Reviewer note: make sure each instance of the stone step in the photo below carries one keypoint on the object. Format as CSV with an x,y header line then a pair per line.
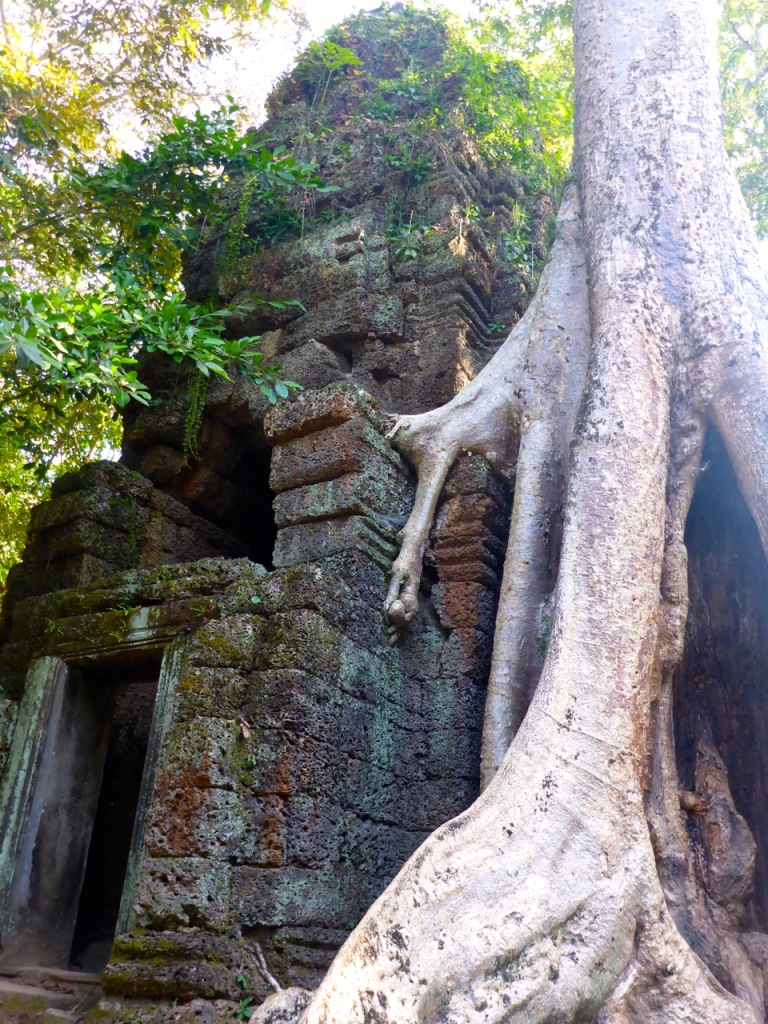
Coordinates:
x,y
41,996
53,1016
45,976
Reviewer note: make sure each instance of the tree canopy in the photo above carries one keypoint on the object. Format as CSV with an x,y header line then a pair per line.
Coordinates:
x,y
90,236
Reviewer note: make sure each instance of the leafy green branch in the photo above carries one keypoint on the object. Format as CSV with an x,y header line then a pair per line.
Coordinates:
x,y
90,341
265,212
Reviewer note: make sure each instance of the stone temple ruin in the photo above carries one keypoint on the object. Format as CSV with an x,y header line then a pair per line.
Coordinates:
x,y
208,742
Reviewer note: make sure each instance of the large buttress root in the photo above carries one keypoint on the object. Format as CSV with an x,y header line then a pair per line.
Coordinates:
x,y
542,901
519,413
554,374
524,615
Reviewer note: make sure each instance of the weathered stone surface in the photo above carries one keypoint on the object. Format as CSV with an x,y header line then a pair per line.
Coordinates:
x,y
334,452
356,583
8,711
177,964
115,1010
310,541
230,643
122,614
207,692
356,494
314,364
162,463
283,1007
299,750
273,896
229,579
467,516
312,412
178,892
159,424
103,519
362,297
471,474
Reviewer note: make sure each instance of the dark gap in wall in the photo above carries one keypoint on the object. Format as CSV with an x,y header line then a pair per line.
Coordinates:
x,y
257,523
239,500
131,711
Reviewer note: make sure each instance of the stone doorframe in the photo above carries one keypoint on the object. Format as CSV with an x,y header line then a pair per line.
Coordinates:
x,y
43,748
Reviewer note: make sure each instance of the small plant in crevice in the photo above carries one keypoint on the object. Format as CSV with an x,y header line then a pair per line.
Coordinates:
x,y
127,509
407,228
380,108
133,532
244,1008
414,163
269,203
514,250
407,240
234,356
236,228
516,239
323,60
517,247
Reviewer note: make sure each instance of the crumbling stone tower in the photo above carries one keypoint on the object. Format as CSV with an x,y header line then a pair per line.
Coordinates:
x,y
208,741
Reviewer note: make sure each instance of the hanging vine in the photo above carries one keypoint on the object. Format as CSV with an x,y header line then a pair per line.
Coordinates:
x,y
197,391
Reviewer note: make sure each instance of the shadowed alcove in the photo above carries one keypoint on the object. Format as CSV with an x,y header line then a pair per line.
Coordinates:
x,y
721,686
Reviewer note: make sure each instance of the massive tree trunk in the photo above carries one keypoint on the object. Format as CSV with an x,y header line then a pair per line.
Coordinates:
x,y
570,890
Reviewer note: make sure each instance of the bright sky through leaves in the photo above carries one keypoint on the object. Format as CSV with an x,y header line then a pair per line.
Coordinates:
x,y
324,13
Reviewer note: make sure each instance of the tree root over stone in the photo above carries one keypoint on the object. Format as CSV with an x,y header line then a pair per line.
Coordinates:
x,y
571,890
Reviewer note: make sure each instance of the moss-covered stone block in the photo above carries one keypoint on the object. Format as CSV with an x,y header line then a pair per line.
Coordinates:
x,y
327,454
211,693
8,711
311,541
275,897
307,705
172,965
263,841
314,411
355,494
195,822
230,643
197,753
300,640
183,892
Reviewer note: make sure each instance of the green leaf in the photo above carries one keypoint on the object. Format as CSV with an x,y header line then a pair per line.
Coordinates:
x,y
27,352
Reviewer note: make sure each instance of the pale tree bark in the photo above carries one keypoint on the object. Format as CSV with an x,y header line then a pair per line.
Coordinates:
x,y
569,891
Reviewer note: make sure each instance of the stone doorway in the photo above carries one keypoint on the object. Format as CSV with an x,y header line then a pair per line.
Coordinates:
x,y
72,824
127,723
